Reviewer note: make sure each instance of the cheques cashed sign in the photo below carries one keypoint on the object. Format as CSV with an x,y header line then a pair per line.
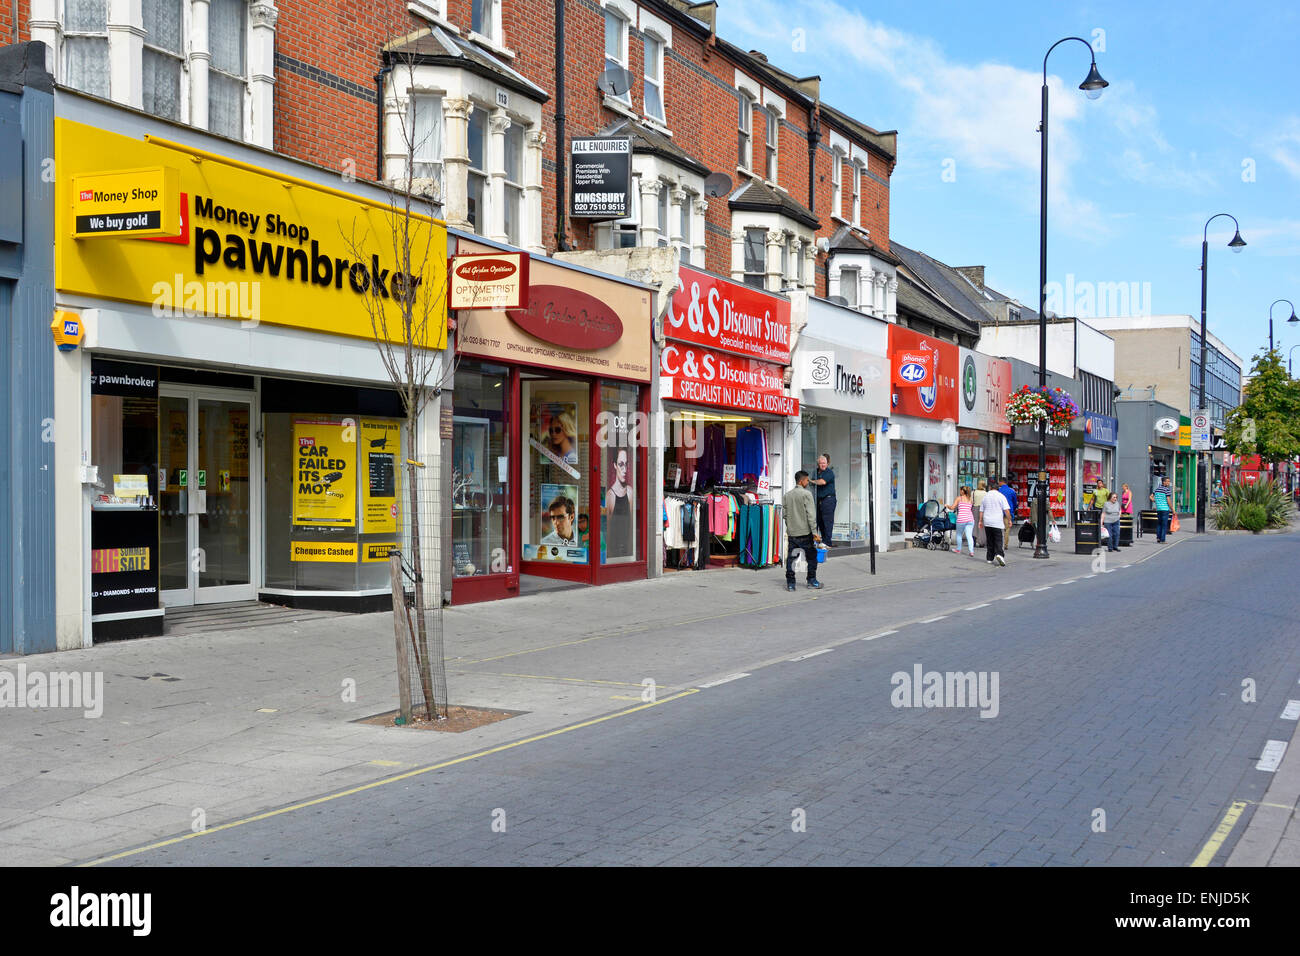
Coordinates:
x,y
724,315
938,400
706,377
985,385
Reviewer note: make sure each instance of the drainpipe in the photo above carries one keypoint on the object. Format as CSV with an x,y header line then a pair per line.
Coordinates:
x,y
814,137
561,171
379,122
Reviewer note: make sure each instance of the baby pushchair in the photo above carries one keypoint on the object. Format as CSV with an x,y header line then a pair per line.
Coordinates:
x,y
933,526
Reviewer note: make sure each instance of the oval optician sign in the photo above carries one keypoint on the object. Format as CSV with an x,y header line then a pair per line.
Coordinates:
x,y
569,318
486,270
1167,426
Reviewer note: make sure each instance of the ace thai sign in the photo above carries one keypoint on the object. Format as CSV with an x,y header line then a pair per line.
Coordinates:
x,y
706,377
985,386
940,399
726,316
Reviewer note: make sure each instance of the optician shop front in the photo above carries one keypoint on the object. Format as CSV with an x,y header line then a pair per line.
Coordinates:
x,y
226,430
549,432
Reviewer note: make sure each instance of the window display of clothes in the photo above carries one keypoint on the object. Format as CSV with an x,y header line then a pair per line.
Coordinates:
x,y
686,531
713,455
759,535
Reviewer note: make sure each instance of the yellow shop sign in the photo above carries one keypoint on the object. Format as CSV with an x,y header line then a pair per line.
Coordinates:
x,y
126,202
250,244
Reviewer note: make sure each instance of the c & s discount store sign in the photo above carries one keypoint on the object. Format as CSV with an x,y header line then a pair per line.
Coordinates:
x,y
242,227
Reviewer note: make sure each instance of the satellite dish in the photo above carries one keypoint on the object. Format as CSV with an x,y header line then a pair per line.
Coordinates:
x,y
717,184
838,300
615,81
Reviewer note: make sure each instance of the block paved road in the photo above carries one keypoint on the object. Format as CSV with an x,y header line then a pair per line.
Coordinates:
x,y
1119,692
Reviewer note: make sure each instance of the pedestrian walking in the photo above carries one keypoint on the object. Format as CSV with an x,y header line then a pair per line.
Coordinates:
x,y
1110,521
801,529
1008,491
965,519
995,518
1162,498
977,499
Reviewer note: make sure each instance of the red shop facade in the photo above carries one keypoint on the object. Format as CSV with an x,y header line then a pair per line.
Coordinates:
x,y
724,404
549,433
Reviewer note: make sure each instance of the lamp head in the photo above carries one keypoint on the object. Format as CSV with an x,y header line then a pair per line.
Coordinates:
x,y
1237,243
1293,317
1094,84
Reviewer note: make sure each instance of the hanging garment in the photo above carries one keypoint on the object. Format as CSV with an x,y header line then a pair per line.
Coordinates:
x,y
702,548
673,523
688,523
713,455
751,452
619,543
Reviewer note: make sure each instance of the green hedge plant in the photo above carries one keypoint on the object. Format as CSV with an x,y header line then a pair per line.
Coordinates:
x,y
1264,503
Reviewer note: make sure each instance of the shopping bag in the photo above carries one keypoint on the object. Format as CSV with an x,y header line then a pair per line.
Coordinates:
x,y
800,562
1054,534
1105,534
1173,524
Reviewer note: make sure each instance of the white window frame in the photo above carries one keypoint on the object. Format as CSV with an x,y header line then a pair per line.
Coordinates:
x,y
745,134
771,143
82,35
243,80
854,275
514,190
837,182
657,41
491,36
665,212
183,105
857,193
483,174
761,274
425,150
624,29
686,223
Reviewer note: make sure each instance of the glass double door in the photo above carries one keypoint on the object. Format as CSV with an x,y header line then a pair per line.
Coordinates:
x,y
207,496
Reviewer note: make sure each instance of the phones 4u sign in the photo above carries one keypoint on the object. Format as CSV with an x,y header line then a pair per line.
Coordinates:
x,y
600,178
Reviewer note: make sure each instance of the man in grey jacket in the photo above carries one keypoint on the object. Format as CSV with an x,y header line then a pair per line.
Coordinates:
x,y
801,529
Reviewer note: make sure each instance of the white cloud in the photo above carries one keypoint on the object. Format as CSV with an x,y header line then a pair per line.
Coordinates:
x,y
1284,146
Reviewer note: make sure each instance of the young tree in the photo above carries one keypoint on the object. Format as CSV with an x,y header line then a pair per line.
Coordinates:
x,y
1267,422
408,320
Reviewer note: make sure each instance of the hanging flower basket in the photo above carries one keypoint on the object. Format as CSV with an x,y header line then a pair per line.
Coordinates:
x,y
1029,406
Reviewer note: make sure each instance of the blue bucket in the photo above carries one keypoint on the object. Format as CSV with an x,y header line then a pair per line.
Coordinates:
x,y
821,554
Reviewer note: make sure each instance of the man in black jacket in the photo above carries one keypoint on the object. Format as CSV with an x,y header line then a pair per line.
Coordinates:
x,y
824,480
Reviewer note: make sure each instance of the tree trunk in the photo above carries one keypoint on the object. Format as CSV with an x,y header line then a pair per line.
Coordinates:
x,y
400,622
420,633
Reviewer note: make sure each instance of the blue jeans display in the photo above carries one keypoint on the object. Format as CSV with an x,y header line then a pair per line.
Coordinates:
x,y
1162,528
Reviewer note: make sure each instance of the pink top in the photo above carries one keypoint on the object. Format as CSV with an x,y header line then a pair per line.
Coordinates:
x,y
964,513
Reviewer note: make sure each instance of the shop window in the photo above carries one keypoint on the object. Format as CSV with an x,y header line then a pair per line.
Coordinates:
x,y
514,182
333,505
477,168
616,47
85,46
163,58
227,83
556,464
424,125
617,438
480,470
755,257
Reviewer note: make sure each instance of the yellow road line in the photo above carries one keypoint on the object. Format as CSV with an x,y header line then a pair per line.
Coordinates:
x,y
386,780
1225,827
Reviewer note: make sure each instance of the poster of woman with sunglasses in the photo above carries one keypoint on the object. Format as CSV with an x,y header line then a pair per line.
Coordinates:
x,y
556,427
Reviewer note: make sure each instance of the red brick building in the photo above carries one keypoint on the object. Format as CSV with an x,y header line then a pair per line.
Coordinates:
x,y
472,86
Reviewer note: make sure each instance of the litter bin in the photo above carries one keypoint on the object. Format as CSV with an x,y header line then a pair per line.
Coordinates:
x,y
1126,531
1150,522
1087,531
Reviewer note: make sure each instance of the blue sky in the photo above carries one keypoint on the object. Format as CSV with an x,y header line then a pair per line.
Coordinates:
x,y
1202,116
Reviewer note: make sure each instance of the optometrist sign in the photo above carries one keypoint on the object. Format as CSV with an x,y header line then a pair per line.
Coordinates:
x,y
126,202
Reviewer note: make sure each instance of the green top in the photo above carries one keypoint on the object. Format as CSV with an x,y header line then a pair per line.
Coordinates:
x,y
1100,496
800,512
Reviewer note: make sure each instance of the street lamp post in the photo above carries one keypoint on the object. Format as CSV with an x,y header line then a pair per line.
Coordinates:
x,y
1092,87
1288,358
1270,320
1236,245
